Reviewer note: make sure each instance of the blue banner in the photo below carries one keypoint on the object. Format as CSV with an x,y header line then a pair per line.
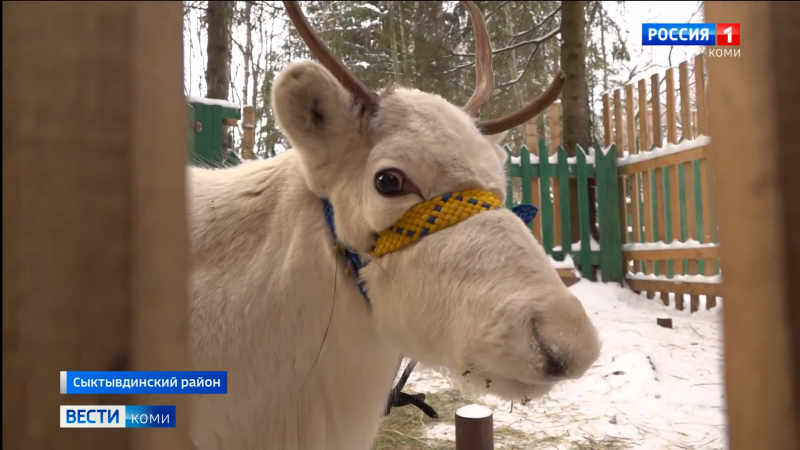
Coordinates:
x,y
679,34
124,416
162,382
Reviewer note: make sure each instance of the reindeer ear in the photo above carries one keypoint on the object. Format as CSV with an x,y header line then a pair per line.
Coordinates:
x,y
315,112
497,140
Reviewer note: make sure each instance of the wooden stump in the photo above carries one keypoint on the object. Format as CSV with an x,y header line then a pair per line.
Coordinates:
x,y
662,322
474,428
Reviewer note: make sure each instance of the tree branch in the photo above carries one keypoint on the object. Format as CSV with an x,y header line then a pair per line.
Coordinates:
x,y
523,72
536,41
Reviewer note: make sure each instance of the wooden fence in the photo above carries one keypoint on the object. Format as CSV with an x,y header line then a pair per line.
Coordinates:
x,y
654,195
549,188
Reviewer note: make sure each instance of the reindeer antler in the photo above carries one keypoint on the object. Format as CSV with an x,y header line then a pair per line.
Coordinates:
x,y
484,74
484,83
362,93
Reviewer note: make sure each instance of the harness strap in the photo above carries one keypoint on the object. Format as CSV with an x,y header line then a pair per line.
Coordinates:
x,y
397,398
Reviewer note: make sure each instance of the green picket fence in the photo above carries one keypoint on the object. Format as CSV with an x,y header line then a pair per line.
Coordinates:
x,y
535,171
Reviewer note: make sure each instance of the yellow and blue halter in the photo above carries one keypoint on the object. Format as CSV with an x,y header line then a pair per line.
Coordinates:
x,y
419,221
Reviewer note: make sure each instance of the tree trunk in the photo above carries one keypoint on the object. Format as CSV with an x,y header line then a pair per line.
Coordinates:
x,y
393,39
574,98
403,43
248,50
218,71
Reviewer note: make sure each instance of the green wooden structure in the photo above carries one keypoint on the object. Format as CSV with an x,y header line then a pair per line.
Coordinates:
x,y
609,258
206,133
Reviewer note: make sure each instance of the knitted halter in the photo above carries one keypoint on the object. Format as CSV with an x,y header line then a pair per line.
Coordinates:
x,y
419,221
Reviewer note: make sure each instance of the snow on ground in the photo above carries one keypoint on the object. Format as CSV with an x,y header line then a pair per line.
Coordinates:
x,y
651,388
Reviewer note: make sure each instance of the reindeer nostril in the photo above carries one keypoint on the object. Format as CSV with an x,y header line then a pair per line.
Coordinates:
x,y
555,365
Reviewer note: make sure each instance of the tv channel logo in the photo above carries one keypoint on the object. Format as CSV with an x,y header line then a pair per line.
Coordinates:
x,y
685,34
105,416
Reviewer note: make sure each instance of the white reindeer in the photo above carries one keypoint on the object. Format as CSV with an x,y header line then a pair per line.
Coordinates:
x,y
310,362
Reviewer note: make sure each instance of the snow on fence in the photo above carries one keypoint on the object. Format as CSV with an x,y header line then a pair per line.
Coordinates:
x,y
645,198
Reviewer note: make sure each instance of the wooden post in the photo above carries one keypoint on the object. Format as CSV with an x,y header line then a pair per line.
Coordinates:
x,y
532,142
94,225
753,116
474,428
248,131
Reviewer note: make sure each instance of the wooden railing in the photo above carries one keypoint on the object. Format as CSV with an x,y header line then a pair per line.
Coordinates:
x,y
654,191
669,242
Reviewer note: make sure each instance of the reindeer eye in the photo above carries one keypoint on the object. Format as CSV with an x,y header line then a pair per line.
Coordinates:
x,y
389,182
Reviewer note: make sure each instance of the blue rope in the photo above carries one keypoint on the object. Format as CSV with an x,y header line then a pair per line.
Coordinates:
x,y
525,212
352,257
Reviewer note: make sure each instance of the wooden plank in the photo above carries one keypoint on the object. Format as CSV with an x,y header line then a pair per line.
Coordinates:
x,y
607,130
666,254
665,161
630,120
555,142
674,205
619,135
532,140
568,276
546,210
644,144
608,206
525,174
655,102
562,168
753,107
658,191
512,170
675,287
248,132
95,241
690,204
709,221
583,216
510,174
531,133
633,179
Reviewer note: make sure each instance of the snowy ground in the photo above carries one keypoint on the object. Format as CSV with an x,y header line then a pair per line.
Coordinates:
x,y
652,388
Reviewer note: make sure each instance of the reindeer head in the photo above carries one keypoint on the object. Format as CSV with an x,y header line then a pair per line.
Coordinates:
x,y
479,298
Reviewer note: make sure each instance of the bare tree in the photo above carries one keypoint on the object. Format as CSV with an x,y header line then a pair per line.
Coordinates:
x,y
574,98
218,71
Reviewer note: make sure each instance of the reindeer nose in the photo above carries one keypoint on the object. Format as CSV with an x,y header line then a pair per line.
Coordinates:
x,y
555,364
566,341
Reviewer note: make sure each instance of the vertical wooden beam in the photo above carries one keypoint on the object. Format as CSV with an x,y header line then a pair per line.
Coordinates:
x,y
248,131
690,204
753,106
555,140
94,225
619,141
647,191
532,142
674,205
633,179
